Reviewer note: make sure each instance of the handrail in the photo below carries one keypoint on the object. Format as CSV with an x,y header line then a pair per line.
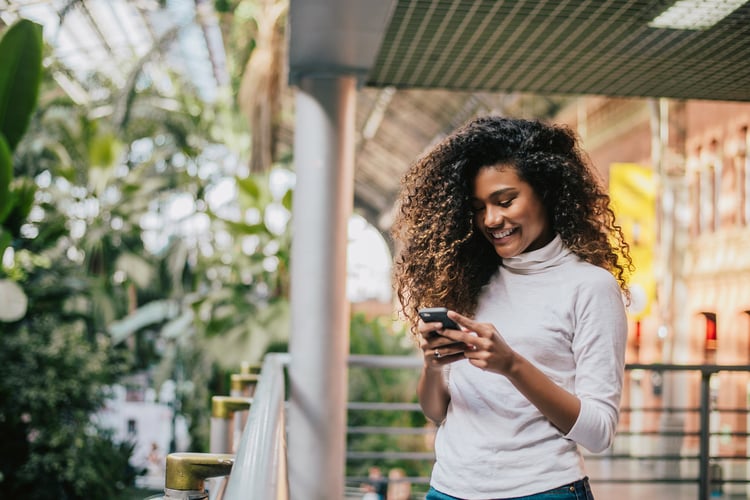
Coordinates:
x,y
262,451
378,361
260,465
706,371
705,478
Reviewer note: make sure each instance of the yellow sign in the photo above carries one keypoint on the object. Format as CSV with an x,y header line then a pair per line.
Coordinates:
x,y
632,189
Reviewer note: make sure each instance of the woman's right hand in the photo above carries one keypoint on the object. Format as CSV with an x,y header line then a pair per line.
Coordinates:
x,y
437,349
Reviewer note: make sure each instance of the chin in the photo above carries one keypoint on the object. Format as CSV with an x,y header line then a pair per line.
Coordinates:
x,y
505,254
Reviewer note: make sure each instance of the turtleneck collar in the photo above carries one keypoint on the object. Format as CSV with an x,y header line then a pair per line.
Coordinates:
x,y
550,255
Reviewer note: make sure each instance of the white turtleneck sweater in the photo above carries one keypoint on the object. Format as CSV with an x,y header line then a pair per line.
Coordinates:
x,y
567,317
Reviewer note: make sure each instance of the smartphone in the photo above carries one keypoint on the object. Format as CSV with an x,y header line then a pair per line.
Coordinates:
x,y
435,314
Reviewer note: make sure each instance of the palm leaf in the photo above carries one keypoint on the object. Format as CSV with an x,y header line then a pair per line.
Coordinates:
x,y
6,174
20,74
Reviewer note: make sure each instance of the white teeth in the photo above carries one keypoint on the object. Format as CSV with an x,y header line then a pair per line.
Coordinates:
x,y
502,234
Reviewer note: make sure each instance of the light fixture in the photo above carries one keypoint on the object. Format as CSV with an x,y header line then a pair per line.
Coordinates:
x,y
695,14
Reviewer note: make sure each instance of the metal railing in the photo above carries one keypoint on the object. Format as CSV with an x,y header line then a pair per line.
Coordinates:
x,y
260,471
700,467
710,478
260,463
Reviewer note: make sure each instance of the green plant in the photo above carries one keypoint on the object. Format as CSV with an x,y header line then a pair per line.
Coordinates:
x,y
53,364
20,74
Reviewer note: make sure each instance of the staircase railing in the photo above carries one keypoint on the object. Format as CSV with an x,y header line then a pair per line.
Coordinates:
x,y
670,459
260,463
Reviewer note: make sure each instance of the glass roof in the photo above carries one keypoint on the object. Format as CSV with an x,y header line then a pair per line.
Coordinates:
x,y
116,40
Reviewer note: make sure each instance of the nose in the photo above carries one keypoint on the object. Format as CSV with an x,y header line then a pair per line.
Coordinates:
x,y
494,216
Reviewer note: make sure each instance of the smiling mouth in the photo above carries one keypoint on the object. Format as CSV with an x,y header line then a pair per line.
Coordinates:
x,y
502,234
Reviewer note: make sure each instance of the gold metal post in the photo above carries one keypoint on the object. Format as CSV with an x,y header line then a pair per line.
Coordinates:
x,y
249,368
244,383
225,406
188,471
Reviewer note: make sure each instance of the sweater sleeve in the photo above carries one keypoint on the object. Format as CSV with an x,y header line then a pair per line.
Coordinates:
x,y
599,352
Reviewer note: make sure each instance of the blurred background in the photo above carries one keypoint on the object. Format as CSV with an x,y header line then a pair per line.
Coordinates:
x,y
147,180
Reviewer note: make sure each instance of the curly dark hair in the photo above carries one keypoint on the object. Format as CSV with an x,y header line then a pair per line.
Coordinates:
x,y
443,260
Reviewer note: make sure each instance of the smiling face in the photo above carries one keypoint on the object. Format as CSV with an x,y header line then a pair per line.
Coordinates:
x,y
508,212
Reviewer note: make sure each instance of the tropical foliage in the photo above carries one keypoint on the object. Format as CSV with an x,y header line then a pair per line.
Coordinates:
x,y
124,256
53,366
20,73
135,239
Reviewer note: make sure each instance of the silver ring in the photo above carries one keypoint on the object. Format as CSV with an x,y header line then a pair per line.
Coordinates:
x,y
437,353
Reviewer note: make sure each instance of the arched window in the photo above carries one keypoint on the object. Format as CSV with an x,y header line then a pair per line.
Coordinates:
x,y
707,188
728,205
717,172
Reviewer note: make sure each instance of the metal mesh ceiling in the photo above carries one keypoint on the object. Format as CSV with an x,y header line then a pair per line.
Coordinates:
x,y
568,47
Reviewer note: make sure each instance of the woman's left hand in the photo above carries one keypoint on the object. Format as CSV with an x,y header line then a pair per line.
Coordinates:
x,y
487,348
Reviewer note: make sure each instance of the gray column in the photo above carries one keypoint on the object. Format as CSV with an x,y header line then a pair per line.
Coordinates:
x,y
319,346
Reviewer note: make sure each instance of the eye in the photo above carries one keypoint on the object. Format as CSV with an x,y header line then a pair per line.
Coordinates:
x,y
506,203
477,207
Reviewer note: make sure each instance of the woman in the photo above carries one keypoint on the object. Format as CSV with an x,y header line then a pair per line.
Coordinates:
x,y
505,223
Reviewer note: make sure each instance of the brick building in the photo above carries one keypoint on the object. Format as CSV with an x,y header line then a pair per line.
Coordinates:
x,y
698,153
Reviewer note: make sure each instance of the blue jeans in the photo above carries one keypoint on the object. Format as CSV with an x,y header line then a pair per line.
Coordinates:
x,y
579,490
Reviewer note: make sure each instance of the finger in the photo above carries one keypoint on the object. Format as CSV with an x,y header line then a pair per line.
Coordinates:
x,y
460,341
435,353
442,356
429,329
455,348
464,335
451,357
482,329
450,336
475,352
439,341
449,347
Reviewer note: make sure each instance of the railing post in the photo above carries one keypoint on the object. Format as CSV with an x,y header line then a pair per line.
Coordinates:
x,y
187,472
223,410
242,385
704,481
